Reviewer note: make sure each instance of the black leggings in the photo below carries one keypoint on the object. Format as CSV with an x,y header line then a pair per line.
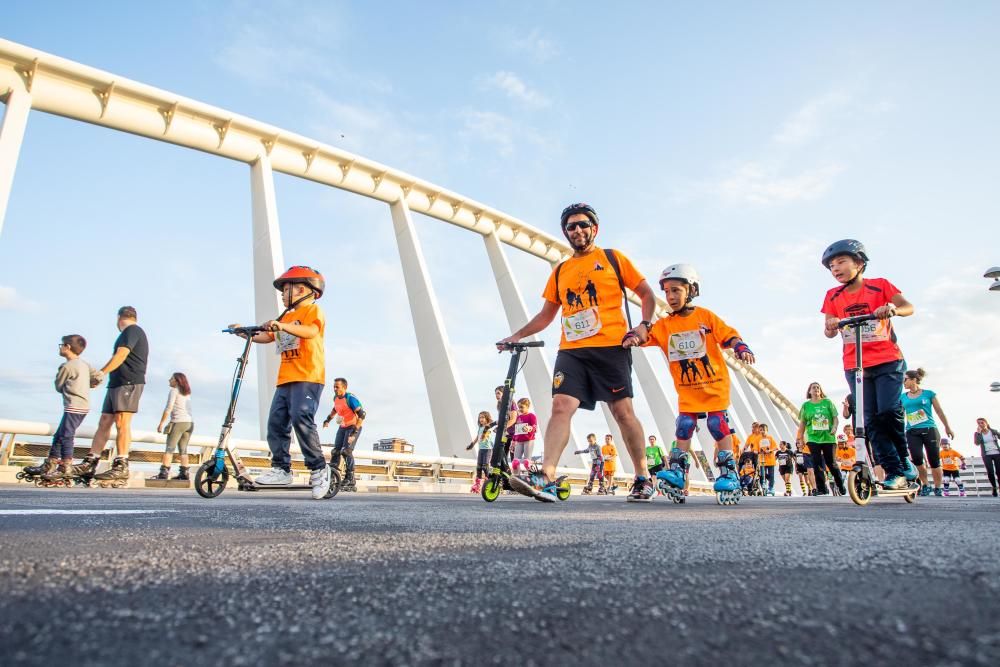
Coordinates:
x,y
992,463
483,463
822,456
919,439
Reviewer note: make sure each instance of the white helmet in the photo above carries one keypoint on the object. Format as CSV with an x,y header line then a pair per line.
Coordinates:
x,y
684,272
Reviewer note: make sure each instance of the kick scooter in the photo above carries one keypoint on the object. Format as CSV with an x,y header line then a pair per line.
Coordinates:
x,y
212,476
861,483
501,478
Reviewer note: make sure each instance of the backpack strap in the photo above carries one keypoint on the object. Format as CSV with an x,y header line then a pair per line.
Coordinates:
x,y
558,293
613,261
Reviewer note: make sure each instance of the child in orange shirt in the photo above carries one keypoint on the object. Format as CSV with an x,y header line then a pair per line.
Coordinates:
x,y
692,340
610,454
951,459
298,336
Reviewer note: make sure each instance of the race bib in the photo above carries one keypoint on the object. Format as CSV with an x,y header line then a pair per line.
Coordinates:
x,y
686,345
522,428
871,332
800,459
581,325
820,423
286,342
914,418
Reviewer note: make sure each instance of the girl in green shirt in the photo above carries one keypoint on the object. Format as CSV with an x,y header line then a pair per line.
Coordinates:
x,y
818,428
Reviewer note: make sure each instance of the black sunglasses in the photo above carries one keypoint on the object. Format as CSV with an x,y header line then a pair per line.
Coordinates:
x,y
573,226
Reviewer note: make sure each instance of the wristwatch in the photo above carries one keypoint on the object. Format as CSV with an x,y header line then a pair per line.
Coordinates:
x,y
647,324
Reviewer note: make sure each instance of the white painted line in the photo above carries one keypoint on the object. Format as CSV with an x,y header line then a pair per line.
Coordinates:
x,y
87,512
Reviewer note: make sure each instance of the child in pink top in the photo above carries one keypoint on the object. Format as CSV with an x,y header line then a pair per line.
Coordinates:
x,y
525,428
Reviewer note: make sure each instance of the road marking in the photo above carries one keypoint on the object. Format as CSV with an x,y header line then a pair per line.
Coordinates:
x,y
87,512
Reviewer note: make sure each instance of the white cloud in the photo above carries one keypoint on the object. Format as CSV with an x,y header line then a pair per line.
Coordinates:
x,y
535,46
516,89
811,119
757,183
491,127
11,300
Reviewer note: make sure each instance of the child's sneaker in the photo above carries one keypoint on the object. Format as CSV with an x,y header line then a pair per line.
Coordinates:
x,y
937,492
274,477
961,493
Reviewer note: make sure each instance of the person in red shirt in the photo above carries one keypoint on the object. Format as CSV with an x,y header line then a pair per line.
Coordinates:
x,y
883,360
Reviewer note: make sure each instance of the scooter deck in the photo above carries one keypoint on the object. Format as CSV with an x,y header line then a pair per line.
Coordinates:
x,y
275,487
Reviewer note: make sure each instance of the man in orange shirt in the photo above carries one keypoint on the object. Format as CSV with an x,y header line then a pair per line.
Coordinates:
x,y
591,365
692,340
298,336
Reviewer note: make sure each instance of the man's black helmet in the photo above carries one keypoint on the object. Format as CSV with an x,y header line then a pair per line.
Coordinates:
x,y
845,247
579,207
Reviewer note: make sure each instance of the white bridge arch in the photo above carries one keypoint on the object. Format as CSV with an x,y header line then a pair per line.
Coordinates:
x,y
34,80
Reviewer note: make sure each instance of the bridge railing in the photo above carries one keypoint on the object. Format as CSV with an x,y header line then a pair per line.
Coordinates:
x,y
388,467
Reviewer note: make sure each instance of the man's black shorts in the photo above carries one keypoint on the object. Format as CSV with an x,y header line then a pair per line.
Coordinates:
x,y
592,374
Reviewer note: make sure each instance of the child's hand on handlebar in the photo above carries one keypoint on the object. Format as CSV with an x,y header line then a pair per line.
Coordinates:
x,y
885,312
272,325
832,325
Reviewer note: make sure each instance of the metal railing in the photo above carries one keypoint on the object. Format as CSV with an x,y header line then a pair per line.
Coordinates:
x,y
397,467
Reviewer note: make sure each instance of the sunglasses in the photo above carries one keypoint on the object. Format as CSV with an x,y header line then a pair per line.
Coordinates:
x,y
573,226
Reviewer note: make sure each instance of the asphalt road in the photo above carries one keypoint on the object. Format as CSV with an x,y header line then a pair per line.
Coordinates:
x,y
275,579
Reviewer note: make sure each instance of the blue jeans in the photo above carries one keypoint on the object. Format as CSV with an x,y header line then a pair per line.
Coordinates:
x,y
885,426
294,406
62,440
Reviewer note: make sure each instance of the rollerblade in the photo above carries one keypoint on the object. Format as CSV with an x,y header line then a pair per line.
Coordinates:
x,y
671,483
164,474
62,475
84,472
35,473
349,484
477,486
727,485
182,474
961,492
588,490
115,477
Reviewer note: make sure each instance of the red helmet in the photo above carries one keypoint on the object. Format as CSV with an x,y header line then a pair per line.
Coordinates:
x,y
304,275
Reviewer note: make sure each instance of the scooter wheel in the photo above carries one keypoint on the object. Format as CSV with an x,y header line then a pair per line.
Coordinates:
x,y
859,488
491,488
334,484
208,485
910,497
563,490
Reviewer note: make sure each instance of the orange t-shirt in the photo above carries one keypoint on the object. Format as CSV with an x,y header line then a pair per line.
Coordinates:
x,y
846,455
736,443
950,459
302,359
769,449
692,344
753,443
610,453
591,299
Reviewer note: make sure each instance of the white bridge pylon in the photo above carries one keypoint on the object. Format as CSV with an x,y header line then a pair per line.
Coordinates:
x,y
32,80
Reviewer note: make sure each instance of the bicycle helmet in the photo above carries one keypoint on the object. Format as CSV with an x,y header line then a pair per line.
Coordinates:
x,y
845,247
685,273
303,275
579,207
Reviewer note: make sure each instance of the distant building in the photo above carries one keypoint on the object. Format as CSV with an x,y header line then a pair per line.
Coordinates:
x,y
396,445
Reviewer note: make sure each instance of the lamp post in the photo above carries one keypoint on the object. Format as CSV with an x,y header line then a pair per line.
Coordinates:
x,y
994,273
995,387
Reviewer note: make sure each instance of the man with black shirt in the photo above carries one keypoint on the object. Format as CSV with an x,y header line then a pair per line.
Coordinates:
x,y
126,372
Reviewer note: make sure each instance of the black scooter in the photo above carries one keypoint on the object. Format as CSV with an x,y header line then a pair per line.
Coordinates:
x,y
861,482
501,478
212,476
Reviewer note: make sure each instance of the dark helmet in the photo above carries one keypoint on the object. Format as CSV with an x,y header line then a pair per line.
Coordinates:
x,y
579,207
304,275
845,247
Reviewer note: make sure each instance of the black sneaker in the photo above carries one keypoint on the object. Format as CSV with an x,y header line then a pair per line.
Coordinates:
x,y
642,491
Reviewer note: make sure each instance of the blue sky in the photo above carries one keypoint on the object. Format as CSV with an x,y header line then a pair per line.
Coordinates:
x,y
741,138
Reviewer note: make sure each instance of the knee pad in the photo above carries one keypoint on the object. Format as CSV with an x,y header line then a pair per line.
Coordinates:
x,y
686,423
718,425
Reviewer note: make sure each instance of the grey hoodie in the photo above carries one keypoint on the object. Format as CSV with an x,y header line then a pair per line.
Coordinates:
x,y
73,382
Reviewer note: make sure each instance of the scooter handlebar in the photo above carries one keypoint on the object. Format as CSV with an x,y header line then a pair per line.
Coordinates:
x,y
859,319
521,346
244,331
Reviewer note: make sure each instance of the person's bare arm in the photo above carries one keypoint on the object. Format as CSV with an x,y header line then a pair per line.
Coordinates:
x,y
305,331
119,357
944,420
897,307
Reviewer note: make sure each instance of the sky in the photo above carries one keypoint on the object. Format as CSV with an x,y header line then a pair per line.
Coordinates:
x,y
742,138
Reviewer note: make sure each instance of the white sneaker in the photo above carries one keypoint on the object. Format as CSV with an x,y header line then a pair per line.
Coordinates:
x,y
274,477
320,482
